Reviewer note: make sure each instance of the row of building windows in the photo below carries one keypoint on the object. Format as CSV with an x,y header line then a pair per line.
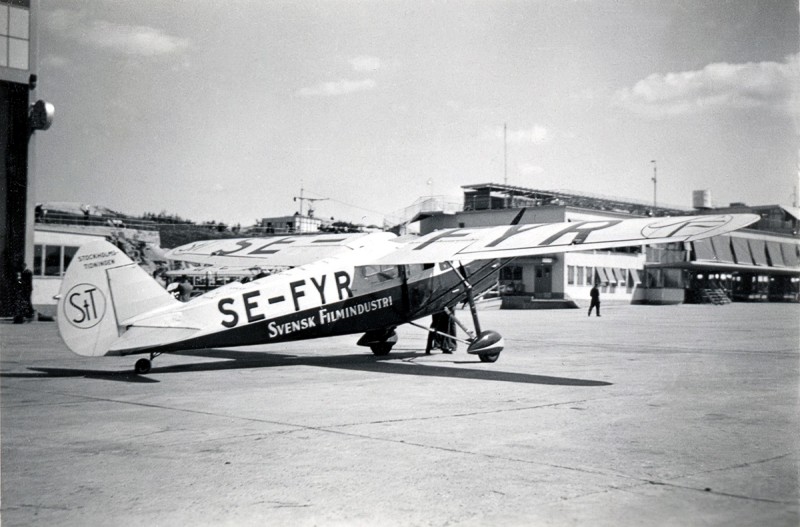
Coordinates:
x,y
14,36
578,275
52,260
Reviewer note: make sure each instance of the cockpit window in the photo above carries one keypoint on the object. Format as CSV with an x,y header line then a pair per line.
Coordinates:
x,y
379,273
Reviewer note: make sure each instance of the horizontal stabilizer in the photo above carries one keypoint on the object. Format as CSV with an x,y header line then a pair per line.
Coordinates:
x,y
141,338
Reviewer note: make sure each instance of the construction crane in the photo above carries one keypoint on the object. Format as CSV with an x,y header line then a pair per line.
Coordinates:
x,y
301,198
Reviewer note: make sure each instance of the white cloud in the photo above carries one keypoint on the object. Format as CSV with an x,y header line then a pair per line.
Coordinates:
x,y
528,169
717,86
537,134
365,63
121,38
334,88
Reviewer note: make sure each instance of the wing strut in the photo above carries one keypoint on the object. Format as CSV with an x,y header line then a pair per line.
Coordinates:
x,y
487,345
470,297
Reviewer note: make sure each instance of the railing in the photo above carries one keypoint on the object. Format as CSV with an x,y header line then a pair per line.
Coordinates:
x,y
61,218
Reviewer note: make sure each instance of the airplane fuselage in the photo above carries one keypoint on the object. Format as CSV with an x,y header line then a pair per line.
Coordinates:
x,y
327,298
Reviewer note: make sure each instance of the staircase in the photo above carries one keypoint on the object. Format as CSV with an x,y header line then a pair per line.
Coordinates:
x,y
714,296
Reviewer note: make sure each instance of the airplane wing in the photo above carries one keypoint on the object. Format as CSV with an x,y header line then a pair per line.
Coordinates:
x,y
275,251
465,244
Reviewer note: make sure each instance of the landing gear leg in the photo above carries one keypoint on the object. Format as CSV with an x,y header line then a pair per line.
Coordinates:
x,y
487,345
143,366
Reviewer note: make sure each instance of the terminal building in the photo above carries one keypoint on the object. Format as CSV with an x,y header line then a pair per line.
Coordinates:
x,y
758,264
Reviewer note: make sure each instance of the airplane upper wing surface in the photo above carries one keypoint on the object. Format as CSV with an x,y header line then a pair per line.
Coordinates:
x,y
528,240
277,251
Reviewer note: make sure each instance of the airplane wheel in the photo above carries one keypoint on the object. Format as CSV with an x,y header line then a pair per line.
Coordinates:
x,y
382,349
142,366
488,357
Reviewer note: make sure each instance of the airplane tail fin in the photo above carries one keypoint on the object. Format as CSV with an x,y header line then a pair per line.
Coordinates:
x,y
103,288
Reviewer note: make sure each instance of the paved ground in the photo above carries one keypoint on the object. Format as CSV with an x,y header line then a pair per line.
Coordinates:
x,y
682,415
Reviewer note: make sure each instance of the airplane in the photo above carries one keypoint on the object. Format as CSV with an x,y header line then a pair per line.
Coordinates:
x,y
334,284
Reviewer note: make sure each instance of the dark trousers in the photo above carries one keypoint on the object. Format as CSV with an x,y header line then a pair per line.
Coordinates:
x,y
594,305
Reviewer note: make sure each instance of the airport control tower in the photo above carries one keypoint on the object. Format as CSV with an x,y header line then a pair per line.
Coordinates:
x,y
20,117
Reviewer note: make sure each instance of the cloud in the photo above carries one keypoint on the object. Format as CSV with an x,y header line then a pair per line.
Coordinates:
x,y
334,88
717,86
120,38
529,169
537,134
365,63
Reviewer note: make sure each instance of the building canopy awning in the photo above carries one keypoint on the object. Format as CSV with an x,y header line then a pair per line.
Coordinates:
x,y
775,256
759,251
742,251
703,250
722,249
739,254
790,257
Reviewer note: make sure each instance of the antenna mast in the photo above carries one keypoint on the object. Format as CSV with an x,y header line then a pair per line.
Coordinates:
x,y
505,154
654,182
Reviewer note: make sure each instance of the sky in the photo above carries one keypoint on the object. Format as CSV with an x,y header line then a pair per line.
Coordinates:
x,y
225,110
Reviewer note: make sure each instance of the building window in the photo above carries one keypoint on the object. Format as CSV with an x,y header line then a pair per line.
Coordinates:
x,y
14,36
511,280
579,280
52,260
571,274
37,259
69,254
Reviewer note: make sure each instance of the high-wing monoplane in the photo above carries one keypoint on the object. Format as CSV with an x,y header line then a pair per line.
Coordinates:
x,y
365,284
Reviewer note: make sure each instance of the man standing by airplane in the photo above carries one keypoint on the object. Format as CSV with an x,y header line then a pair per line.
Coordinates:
x,y
595,294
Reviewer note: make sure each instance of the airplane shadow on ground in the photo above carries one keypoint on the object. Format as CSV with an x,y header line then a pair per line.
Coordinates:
x,y
398,363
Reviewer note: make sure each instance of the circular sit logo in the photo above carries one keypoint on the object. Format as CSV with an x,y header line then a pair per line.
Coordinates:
x,y
84,306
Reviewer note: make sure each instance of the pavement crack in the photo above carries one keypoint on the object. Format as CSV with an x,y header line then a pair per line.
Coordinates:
x,y
720,493
462,414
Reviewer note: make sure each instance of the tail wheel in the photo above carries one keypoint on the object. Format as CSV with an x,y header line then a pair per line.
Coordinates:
x,y
488,357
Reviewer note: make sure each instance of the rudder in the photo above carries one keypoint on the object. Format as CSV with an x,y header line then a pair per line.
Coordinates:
x,y
101,289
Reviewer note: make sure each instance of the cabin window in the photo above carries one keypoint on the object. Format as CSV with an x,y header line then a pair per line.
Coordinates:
x,y
379,273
